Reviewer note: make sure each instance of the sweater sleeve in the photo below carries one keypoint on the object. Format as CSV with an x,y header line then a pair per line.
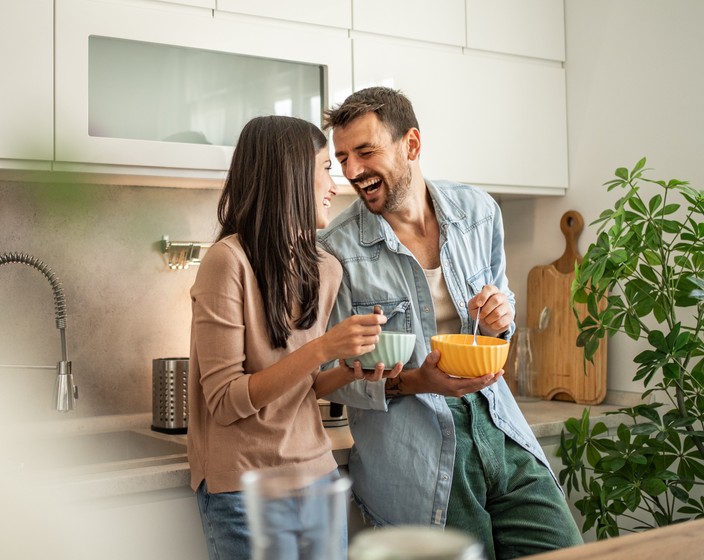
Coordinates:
x,y
219,334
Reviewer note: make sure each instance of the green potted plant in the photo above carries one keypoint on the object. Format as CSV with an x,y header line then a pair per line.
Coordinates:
x,y
644,276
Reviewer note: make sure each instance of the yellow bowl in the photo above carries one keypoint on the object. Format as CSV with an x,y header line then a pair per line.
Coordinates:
x,y
393,347
459,358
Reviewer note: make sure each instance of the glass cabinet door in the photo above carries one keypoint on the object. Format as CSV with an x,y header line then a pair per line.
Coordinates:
x,y
148,91
159,93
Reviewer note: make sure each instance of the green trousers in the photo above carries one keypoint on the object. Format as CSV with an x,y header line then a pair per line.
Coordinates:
x,y
501,493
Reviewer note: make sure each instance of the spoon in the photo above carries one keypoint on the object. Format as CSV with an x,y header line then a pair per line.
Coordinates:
x,y
476,327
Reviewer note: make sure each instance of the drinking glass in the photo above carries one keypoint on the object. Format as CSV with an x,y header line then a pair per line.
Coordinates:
x,y
521,366
295,516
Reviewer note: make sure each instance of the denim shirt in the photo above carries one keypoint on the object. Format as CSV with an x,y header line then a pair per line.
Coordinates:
x,y
404,451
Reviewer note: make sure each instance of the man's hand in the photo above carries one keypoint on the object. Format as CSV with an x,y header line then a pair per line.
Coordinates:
x,y
429,379
496,315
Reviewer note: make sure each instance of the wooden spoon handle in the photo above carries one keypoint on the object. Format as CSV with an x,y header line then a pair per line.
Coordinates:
x,y
571,225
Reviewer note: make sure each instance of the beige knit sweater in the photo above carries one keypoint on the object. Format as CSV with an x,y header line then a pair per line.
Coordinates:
x,y
226,434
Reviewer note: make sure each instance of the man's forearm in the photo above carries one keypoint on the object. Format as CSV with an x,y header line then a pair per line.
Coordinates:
x,y
394,387
401,385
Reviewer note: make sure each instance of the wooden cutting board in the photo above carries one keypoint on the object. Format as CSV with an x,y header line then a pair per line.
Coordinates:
x,y
559,363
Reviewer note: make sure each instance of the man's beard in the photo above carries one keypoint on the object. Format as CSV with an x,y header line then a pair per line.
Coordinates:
x,y
398,187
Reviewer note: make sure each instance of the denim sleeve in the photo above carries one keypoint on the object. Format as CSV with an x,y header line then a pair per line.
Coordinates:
x,y
359,394
498,265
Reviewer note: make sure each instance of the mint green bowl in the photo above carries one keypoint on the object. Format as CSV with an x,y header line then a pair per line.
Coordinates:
x,y
393,347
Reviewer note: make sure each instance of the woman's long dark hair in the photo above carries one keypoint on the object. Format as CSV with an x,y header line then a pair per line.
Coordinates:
x,y
269,201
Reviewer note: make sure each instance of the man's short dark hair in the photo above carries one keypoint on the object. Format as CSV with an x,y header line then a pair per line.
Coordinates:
x,y
391,106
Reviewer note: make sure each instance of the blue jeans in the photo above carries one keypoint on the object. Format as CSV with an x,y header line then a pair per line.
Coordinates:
x,y
295,530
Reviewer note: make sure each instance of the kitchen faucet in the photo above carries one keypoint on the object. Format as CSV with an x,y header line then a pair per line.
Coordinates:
x,y
65,391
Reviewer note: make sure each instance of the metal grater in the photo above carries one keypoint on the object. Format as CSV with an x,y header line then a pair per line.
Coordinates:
x,y
170,395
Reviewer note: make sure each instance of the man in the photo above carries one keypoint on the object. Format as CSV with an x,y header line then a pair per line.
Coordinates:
x,y
429,448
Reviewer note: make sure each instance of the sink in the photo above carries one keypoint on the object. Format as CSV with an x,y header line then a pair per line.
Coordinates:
x,y
100,452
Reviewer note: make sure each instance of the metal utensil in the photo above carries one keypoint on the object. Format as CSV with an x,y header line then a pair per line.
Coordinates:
x,y
476,327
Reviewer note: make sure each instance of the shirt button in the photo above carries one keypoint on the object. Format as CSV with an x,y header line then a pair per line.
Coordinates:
x,y
448,433
426,309
435,395
445,477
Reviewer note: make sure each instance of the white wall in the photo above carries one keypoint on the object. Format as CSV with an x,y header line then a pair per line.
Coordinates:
x,y
635,85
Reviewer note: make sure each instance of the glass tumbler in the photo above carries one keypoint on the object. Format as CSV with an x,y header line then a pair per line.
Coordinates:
x,y
521,366
294,516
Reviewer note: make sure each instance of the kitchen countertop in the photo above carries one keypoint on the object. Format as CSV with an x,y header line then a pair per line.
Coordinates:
x,y
545,417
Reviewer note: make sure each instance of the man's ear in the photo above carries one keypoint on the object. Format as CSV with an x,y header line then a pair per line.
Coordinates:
x,y
412,139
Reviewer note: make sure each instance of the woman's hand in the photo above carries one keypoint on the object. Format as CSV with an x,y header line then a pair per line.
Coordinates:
x,y
377,374
332,379
352,337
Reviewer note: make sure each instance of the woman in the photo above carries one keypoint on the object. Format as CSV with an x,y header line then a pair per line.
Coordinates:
x,y
260,303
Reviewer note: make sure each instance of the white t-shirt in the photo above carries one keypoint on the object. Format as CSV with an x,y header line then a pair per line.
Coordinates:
x,y
446,318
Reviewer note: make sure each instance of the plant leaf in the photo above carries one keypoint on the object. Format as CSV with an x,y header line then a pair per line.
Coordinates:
x,y
653,486
622,173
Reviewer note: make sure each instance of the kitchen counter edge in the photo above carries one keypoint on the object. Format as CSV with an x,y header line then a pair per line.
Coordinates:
x,y
546,419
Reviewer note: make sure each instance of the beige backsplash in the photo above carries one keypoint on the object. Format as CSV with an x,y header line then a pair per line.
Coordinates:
x,y
124,305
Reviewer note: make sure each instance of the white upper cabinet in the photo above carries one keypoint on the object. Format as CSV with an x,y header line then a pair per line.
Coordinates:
x,y
532,28
146,90
27,69
424,20
489,120
336,13
156,91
